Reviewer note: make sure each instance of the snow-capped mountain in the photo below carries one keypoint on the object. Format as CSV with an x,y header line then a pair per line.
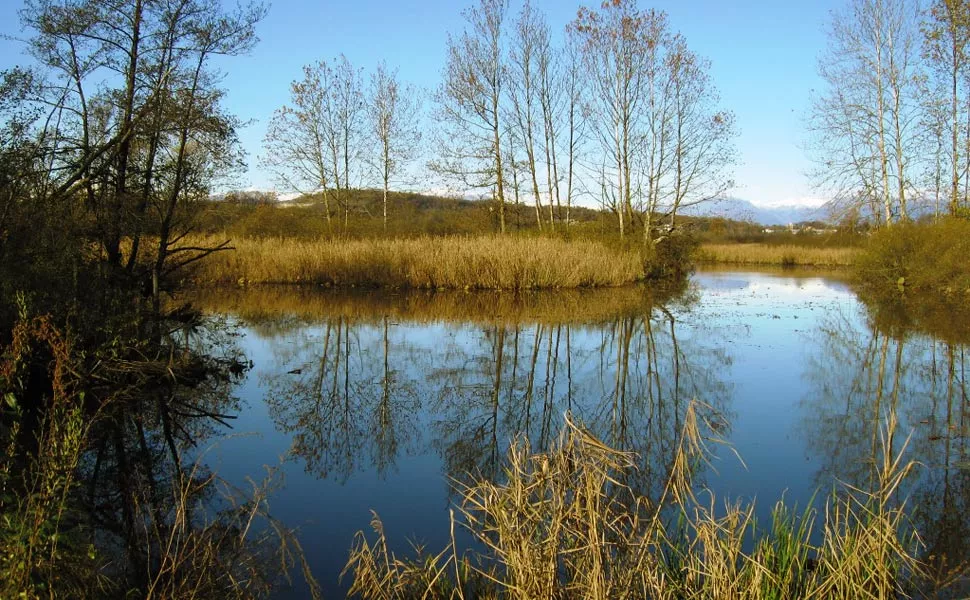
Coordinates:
x,y
742,210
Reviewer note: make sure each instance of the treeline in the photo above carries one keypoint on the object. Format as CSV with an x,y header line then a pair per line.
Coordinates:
x,y
892,126
617,110
416,215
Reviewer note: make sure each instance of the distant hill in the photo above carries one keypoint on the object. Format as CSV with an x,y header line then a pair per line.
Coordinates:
x,y
737,209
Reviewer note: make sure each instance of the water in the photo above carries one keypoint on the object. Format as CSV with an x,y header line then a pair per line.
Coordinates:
x,y
378,401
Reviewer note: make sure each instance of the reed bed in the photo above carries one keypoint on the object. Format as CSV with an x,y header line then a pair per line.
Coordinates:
x,y
486,262
780,255
560,307
564,525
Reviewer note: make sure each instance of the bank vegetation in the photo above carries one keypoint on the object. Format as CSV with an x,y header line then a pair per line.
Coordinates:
x,y
564,524
482,262
776,255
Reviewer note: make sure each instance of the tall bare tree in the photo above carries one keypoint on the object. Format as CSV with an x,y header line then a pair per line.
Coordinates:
x,y
614,42
469,105
315,143
946,43
393,110
866,120
524,89
664,143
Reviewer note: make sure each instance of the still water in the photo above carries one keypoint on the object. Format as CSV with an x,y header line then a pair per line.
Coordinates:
x,y
379,401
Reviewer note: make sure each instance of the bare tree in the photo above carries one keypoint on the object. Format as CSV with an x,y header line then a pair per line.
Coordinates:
x,y
573,89
351,112
945,45
551,99
469,105
393,109
702,134
664,143
865,121
614,42
315,142
524,84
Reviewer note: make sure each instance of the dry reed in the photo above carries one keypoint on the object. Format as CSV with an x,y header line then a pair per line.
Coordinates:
x,y
487,262
766,254
564,525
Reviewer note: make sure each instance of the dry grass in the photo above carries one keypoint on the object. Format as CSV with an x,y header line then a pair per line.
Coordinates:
x,y
564,525
786,256
487,262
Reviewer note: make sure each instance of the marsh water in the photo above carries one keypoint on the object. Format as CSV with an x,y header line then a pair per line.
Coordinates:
x,y
380,401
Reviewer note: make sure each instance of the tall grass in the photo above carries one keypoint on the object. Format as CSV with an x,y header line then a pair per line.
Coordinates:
x,y
564,525
778,255
486,262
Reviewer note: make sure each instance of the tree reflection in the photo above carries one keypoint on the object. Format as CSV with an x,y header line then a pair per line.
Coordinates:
x,y
630,383
910,365
354,396
345,400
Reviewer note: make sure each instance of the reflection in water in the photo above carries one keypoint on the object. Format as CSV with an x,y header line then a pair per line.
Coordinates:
x,y
865,374
163,525
357,394
344,401
383,398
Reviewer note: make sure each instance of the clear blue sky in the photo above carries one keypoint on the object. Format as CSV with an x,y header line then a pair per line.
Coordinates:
x,y
763,56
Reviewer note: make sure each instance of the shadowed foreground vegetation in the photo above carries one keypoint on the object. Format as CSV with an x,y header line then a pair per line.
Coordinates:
x,y
486,262
564,524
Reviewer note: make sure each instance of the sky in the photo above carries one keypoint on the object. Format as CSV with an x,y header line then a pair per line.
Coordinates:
x,y
763,57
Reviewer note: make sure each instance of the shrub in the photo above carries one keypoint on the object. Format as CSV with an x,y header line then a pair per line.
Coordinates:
x,y
671,257
918,258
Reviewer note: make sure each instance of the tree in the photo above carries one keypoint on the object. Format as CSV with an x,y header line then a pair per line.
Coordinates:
x,y
393,110
866,119
664,143
315,143
134,130
615,41
524,84
469,105
945,45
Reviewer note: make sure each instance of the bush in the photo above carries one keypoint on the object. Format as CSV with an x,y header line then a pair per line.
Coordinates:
x,y
918,258
671,257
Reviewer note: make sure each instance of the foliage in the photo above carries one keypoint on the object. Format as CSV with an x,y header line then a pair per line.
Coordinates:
x,y
918,259
670,257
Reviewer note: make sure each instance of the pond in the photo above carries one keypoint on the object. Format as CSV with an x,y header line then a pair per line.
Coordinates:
x,y
381,401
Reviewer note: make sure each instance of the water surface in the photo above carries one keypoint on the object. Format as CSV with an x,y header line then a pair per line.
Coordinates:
x,y
378,401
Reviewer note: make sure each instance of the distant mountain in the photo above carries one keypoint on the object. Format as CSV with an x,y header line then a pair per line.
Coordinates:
x,y
742,210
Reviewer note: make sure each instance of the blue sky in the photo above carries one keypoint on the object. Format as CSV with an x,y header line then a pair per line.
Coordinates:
x,y
763,58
